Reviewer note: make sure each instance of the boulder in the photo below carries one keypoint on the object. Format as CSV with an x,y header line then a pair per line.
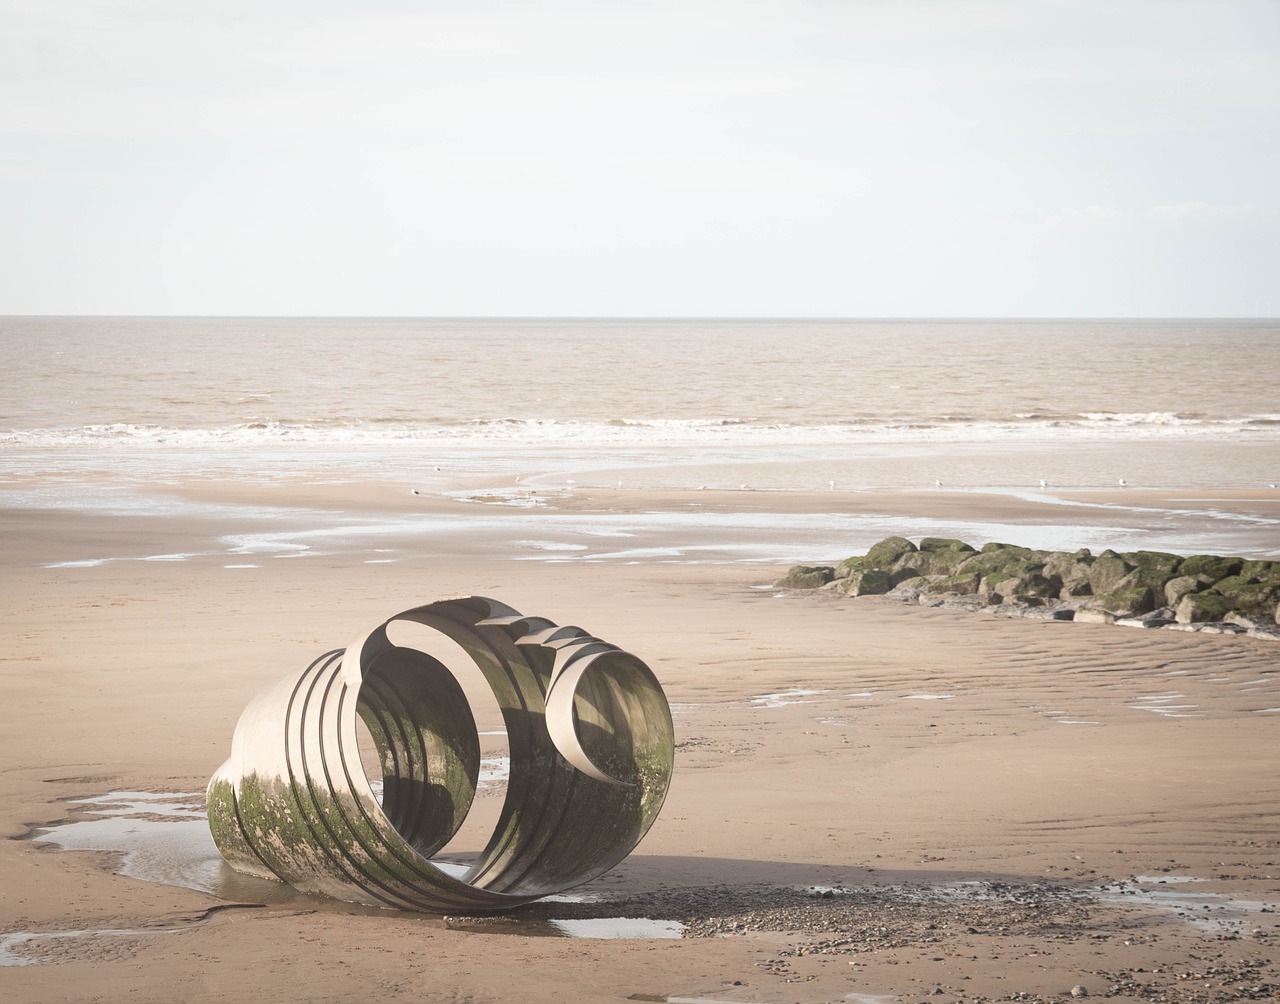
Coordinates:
x,y
1126,602
900,575
991,583
1249,621
1107,572
806,577
946,544
1031,588
855,564
1195,608
1248,597
964,584
1154,619
1022,552
1211,566
910,587
1180,586
1154,568
1261,571
941,561
1007,561
888,551
1086,615
1076,585
871,582
1067,565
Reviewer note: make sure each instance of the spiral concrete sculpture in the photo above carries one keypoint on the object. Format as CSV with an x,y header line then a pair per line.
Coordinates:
x,y
591,751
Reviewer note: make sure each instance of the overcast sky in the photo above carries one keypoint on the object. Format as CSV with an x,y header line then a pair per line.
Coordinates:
x,y
856,158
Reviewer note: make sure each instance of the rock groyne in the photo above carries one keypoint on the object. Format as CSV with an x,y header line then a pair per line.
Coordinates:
x,y
1150,589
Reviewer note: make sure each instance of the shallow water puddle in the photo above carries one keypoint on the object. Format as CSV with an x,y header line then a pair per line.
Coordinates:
x,y
164,837
619,927
161,837
494,771
1160,704
1208,911
669,999
604,928
1063,717
785,697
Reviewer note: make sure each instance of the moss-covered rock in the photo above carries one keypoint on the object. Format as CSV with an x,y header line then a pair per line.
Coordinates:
x,y
1154,568
1107,572
1178,587
946,544
855,564
920,582
1211,566
991,583
1031,588
1248,597
1067,565
1005,561
1075,585
1127,602
943,561
888,551
806,577
1206,606
870,582
1261,571
1027,553
904,574
964,584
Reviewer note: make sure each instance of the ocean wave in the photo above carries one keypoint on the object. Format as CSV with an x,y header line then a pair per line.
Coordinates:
x,y
718,431
1143,418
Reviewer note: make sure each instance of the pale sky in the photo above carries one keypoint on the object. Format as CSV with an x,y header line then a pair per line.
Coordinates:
x,y
693,158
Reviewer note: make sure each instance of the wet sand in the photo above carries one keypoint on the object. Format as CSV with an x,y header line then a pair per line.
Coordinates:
x,y
871,802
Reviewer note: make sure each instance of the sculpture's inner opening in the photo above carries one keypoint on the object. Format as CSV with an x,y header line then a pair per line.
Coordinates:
x,y
439,772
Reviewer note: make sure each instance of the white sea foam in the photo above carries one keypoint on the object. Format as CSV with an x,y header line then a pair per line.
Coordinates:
x,y
651,433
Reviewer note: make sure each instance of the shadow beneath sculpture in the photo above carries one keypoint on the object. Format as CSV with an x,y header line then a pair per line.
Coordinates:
x,y
591,752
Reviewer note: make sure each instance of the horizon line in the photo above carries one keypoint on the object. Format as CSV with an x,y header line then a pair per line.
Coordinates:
x,y
762,318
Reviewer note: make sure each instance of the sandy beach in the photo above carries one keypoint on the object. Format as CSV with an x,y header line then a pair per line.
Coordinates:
x,y
872,801
599,320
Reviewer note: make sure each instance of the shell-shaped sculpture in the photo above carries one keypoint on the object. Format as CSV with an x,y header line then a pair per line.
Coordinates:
x,y
591,751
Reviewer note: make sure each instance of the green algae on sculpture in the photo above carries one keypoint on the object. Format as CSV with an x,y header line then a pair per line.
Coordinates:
x,y
591,751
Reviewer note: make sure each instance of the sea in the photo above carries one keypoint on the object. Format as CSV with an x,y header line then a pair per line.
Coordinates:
x,y
453,406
